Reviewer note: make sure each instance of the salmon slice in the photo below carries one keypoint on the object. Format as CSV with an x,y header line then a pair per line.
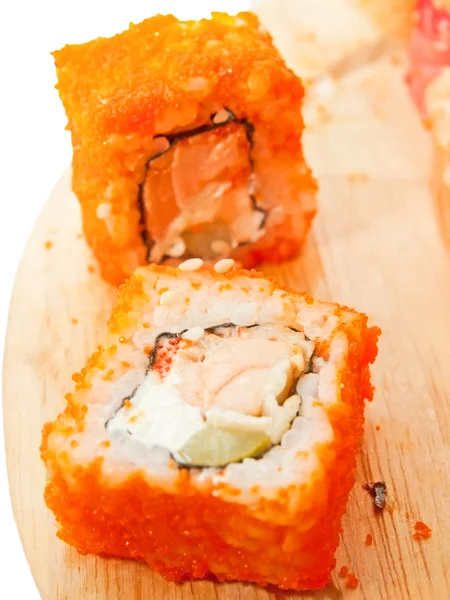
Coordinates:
x,y
197,196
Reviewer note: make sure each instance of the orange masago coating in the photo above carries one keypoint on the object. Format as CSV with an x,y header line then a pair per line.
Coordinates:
x,y
186,142
189,523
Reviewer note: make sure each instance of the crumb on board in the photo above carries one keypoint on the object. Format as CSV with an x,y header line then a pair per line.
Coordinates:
x,y
369,540
91,268
352,581
422,531
48,244
357,177
74,321
426,122
378,491
343,571
323,114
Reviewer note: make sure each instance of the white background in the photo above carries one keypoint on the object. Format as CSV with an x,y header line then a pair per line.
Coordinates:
x,y
35,150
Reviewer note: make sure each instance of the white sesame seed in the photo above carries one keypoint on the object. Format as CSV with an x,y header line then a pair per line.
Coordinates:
x,y
221,116
103,210
224,265
220,247
194,334
192,264
197,83
159,145
168,297
298,361
177,249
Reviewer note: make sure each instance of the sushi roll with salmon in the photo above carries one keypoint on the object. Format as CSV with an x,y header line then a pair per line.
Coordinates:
x,y
429,47
186,142
215,431
429,80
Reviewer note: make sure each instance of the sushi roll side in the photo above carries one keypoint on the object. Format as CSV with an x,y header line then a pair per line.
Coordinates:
x,y
216,429
429,81
186,142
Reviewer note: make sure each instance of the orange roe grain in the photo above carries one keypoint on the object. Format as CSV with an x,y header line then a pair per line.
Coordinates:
x,y
74,444
127,403
126,364
352,581
74,321
108,375
91,269
48,244
105,444
423,532
146,325
343,571
369,539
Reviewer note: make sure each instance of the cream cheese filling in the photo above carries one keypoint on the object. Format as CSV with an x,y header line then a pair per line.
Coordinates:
x,y
226,386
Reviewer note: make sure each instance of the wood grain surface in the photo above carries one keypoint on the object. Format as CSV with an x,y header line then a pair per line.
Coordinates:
x,y
375,246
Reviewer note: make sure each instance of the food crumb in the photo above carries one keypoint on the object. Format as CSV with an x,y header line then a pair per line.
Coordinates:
x,y
377,428
426,123
378,492
369,539
352,581
74,321
423,532
48,244
343,571
91,269
357,177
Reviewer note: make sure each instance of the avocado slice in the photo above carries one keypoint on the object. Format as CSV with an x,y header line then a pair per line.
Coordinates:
x,y
215,447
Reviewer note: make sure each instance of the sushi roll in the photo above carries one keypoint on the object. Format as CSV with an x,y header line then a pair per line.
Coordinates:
x,y
186,142
429,80
354,33
215,431
429,47
437,102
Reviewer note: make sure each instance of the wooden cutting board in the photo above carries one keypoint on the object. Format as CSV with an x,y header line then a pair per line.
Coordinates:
x,y
376,246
